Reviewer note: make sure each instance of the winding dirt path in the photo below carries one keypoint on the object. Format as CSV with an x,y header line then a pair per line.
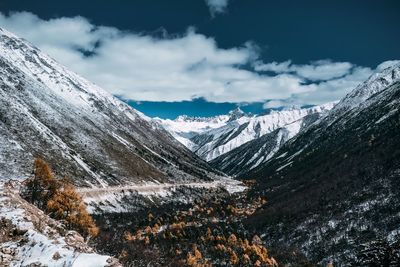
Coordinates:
x,y
230,185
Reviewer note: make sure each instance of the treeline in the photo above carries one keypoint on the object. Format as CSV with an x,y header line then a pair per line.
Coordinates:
x,y
58,198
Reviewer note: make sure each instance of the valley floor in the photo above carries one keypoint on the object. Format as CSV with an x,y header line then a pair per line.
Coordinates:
x,y
124,198
232,186
197,226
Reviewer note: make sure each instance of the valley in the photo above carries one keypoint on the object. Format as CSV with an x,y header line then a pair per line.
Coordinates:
x,y
87,179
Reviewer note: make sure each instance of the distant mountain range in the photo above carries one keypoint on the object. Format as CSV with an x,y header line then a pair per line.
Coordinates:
x,y
238,142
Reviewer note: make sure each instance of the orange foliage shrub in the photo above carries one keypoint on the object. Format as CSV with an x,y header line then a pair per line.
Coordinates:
x,y
234,258
67,205
232,239
58,198
42,186
195,258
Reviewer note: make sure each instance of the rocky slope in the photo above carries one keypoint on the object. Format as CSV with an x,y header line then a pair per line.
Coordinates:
x,y
334,189
82,131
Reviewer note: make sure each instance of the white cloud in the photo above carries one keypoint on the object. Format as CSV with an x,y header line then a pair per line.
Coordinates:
x,y
217,6
315,71
275,104
324,92
141,67
323,70
333,89
273,66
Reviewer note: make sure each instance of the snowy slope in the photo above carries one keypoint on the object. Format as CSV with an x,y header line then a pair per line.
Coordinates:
x,y
259,150
81,130
249,155
373,85
242,130
371,92
212,137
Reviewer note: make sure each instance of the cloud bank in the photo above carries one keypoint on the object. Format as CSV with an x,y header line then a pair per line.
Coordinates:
x,y
315,71
217,6
177,68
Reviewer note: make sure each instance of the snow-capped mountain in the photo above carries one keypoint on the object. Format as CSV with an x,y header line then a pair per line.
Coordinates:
x,y
81,130
183,128
249,155
335,185
212,137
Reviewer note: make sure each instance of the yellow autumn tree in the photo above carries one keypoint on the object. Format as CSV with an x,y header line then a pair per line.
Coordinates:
x,y
67,205
42,186
232,239
246,259
194,259
234,260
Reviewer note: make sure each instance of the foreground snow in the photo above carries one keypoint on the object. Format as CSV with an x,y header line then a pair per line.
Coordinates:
x,y
29,237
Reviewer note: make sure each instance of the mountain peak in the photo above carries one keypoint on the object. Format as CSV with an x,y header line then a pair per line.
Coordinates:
x,y
237,110
236,114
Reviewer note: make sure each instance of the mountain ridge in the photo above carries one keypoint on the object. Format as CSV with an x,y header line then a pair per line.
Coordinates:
x,y
81,130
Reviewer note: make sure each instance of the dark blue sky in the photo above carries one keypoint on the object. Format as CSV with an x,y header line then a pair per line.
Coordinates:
x,y
196,108
364,33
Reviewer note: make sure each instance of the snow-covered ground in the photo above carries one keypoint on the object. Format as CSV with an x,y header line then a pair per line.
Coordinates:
x,y
28,237
113,199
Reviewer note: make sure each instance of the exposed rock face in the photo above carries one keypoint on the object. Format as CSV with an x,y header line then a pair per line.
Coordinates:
x,y
81,130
